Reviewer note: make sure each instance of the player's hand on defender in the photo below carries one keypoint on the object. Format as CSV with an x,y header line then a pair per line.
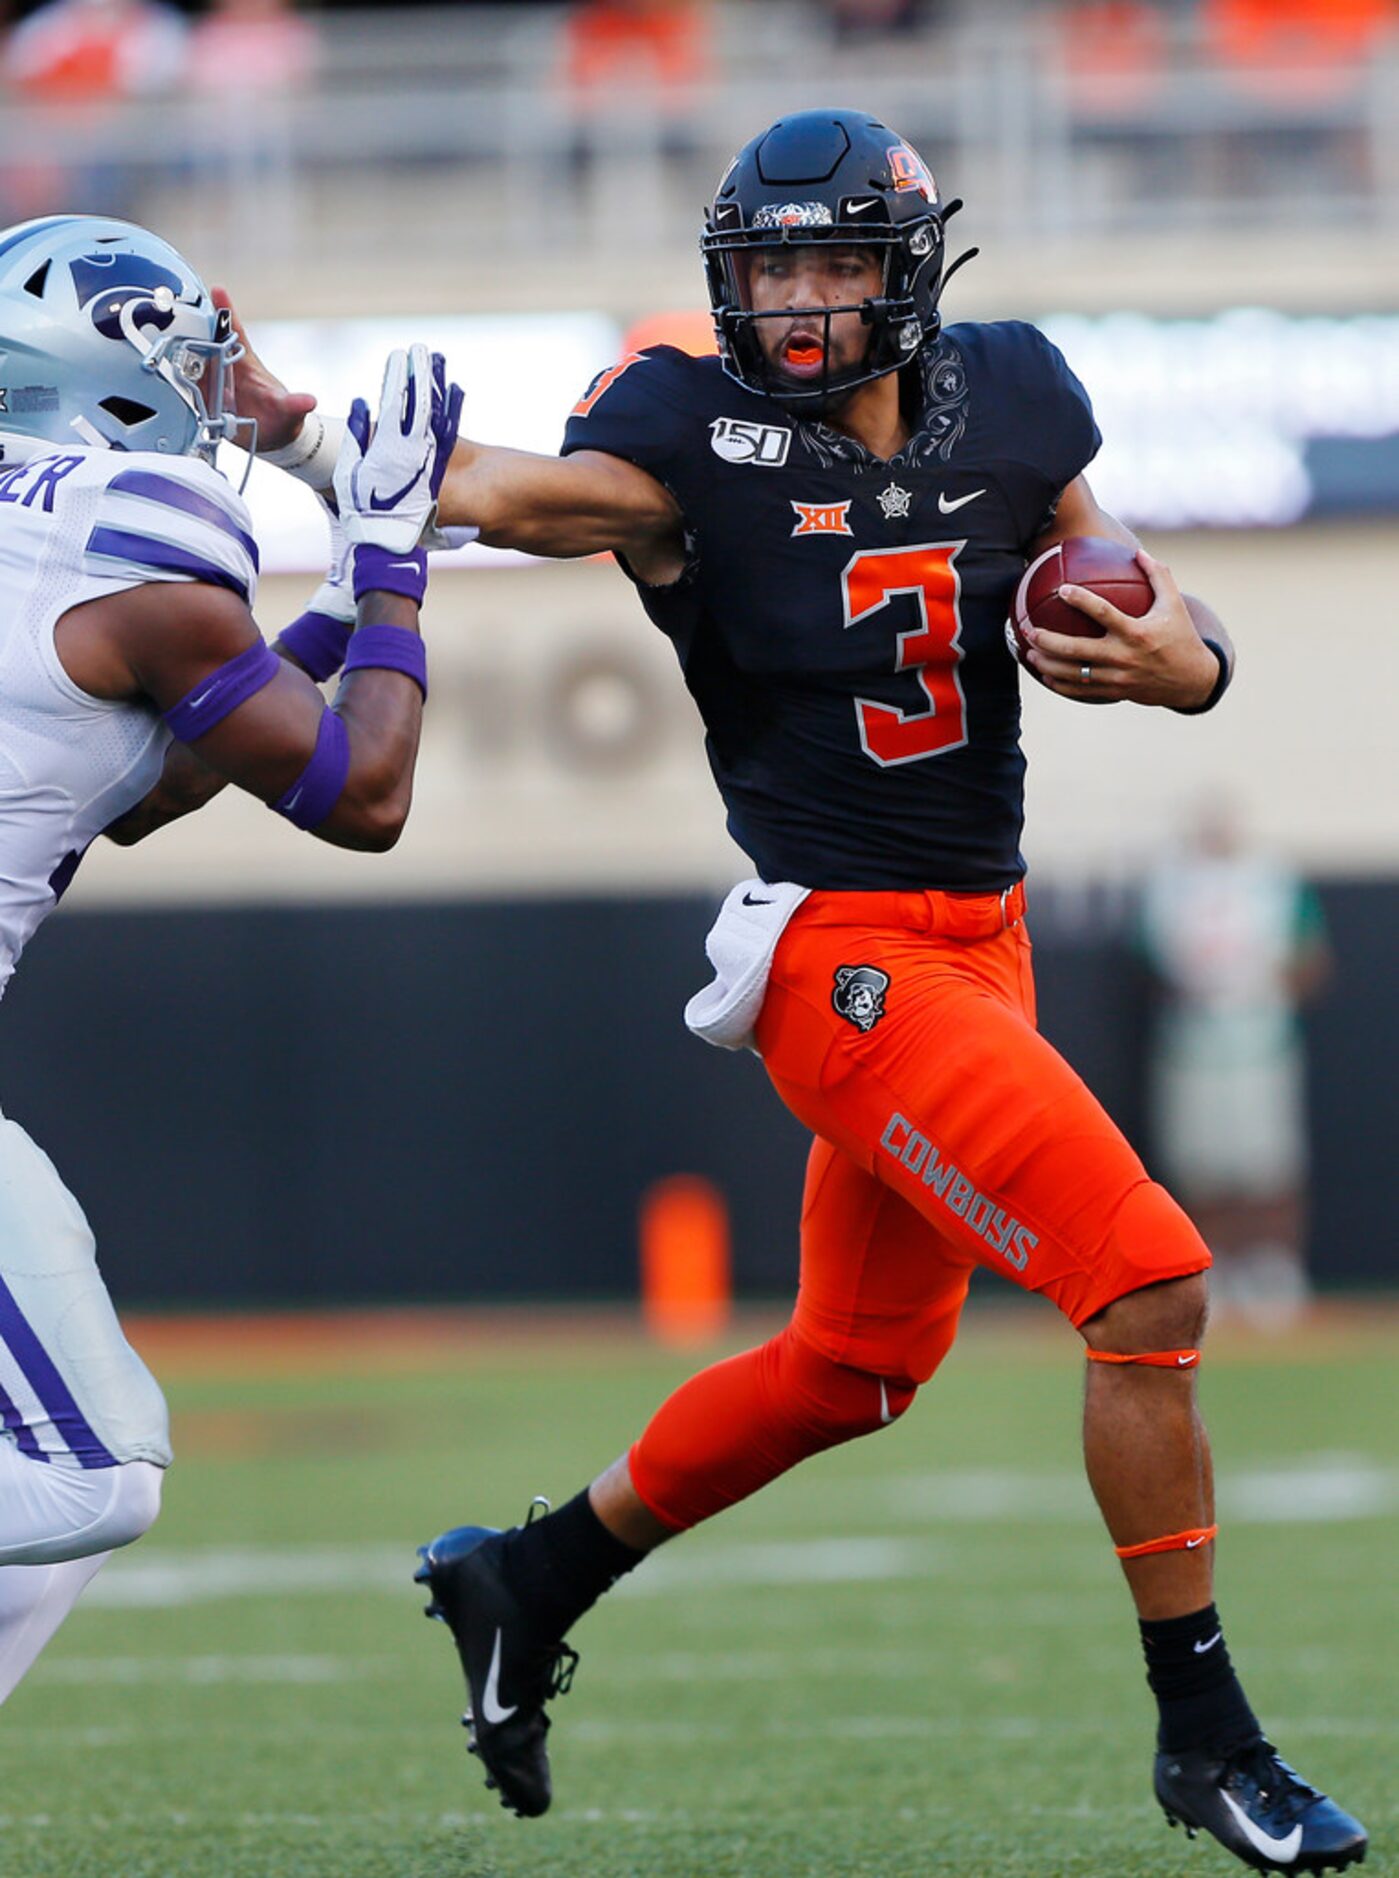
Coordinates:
x,y
386,485
1157,659
259,394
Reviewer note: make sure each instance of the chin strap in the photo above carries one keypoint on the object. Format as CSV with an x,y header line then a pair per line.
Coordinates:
x,y
1186,1541
1151,1359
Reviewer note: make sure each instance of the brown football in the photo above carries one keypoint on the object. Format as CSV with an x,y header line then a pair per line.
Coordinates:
x,y
1107,567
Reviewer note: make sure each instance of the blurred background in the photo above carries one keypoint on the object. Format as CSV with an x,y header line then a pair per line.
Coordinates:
x,y
278,1074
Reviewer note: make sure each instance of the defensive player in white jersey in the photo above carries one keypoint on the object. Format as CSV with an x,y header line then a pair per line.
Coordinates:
x,y
134,683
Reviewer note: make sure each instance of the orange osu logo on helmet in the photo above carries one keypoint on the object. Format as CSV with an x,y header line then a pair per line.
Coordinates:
x,y
909,171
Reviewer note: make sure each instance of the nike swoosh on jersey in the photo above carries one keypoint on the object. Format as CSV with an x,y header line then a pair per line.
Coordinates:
x,y
392,501
491,1709
748,900
884,1415
1264,1842
960,502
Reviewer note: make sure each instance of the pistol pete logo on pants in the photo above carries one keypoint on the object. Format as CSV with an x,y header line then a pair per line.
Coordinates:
x,y
859,994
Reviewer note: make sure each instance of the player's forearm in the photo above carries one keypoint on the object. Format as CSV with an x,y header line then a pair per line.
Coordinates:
x,y
382,711
513,498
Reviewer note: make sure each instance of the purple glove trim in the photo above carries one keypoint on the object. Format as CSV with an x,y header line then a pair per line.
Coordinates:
x,y
378,571
388,649
317,641
445,421
212,699
319,786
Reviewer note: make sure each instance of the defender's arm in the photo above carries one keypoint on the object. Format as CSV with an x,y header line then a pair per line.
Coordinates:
x,y
1178,654
168,642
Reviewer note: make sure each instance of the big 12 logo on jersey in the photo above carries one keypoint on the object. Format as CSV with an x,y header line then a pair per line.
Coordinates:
x,y
741,440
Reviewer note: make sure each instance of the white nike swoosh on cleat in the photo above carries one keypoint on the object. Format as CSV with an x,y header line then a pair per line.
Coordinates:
x,y
1200,1648
491,1711
1284,1849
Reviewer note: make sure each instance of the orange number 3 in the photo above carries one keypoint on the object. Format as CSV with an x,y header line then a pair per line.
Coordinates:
x,y
933,649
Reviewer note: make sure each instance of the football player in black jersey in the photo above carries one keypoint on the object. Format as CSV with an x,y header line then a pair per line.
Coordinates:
x,y
829,520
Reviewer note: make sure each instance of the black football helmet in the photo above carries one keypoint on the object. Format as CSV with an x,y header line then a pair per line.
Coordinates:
x,y
843,178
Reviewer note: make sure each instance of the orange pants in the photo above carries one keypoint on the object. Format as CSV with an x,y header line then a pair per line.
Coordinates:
x,y
900,1028
949,1133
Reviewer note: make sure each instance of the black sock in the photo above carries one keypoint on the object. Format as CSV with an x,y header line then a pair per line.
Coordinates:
x,y
560,1565
1202,1704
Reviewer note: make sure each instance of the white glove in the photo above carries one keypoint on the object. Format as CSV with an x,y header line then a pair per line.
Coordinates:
x,y
335,596
383,487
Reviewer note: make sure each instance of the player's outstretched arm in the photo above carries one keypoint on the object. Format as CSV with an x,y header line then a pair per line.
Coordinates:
x,y
1178,654
587,503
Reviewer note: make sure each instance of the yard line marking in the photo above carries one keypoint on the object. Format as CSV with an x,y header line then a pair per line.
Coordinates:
x,y
200,1670
153,1577
1310,1489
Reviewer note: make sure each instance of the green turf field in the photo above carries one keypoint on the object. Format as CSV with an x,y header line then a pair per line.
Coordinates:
x,y
914,1656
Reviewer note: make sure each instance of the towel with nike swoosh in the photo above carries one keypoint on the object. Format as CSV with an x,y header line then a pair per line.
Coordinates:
x,y
740,946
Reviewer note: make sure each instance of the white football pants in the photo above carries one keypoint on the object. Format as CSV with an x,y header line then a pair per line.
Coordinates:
x,y
85,1430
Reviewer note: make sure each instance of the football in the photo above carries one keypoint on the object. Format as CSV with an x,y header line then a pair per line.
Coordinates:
x,y
1107,567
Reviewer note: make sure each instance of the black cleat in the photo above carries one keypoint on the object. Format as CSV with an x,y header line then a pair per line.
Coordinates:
x,y
511,1669
1258,1809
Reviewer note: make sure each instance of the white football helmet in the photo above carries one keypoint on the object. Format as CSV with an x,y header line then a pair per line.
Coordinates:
x,y
108,337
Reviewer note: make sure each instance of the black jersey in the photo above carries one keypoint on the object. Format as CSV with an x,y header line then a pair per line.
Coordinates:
x,y
840,621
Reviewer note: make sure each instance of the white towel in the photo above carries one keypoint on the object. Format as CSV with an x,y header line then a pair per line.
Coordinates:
x,y
740,946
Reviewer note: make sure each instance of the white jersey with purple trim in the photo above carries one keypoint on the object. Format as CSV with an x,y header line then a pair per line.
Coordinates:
x,y
76,525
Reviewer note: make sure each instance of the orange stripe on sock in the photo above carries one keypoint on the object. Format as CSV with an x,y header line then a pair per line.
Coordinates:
x,y
1173,1542
1153,1359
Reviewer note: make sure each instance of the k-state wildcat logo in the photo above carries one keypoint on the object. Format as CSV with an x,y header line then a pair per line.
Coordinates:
x,y
859,994
740,440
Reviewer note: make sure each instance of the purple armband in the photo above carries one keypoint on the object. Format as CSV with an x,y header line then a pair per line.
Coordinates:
x,y
223,691
378,571
388,649
318,788
317,641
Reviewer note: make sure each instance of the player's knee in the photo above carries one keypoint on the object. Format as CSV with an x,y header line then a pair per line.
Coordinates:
x,y
1166,1315
834,1401
134,1506
1156,1261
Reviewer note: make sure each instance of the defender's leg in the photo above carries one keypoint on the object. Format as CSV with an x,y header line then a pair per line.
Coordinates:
x,y
87,1434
